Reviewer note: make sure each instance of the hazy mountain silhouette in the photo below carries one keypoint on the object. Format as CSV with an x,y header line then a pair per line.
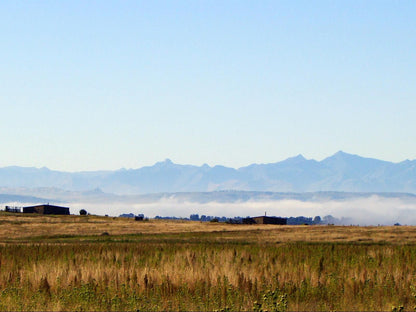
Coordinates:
x,y
340,172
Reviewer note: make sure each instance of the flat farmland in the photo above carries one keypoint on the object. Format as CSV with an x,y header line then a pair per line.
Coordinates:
x,y
24,227
66,263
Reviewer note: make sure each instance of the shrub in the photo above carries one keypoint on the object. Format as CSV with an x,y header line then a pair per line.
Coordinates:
x,y
83,212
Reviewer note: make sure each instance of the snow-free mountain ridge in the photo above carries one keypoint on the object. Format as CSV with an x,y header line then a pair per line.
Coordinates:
x,y
340,172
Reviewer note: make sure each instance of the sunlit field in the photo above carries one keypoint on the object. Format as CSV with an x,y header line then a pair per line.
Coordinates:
x,y
94,263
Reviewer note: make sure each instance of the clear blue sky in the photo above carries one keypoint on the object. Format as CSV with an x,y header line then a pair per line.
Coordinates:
x,y
88,85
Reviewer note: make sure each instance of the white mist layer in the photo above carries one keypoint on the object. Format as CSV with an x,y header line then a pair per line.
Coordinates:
x,y
373,210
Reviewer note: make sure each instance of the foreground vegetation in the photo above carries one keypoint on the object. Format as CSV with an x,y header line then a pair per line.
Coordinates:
x,y
213,267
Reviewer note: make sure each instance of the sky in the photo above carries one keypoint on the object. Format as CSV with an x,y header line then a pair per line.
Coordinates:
x,y
91,85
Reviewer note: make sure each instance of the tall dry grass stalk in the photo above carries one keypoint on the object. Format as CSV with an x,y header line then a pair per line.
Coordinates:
x,y
205,276
63,263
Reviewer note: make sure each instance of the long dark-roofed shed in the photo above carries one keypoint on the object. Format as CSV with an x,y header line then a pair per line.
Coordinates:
x,y
47,209
265,220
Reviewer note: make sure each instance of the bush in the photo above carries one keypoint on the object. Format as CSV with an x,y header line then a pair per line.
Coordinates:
x,y
83,212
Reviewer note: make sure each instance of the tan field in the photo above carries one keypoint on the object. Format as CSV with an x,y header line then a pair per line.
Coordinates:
x,y
67,263
17,227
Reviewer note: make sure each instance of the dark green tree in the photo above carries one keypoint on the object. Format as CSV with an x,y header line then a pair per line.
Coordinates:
x,y
83,212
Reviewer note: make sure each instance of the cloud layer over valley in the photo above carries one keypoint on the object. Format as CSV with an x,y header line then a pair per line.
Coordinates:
x,y
372,210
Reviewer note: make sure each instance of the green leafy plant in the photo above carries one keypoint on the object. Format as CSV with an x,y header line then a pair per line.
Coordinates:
x,y
271,301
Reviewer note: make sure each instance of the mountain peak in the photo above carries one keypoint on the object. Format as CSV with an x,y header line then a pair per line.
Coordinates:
x,y
296,159
342,155
166,162
299,157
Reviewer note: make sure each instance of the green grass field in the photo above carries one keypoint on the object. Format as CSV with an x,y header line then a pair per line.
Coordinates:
x,y
66,264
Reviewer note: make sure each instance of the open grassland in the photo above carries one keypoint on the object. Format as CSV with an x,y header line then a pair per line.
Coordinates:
x,y
65,263
32,227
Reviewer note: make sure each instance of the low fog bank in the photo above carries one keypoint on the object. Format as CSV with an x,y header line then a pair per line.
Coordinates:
x,y
373,210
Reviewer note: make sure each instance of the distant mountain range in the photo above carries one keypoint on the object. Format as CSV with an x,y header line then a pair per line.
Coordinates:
x,y
7,198
340,172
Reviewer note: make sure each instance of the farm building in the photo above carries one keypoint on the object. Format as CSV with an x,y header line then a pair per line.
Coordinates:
x,y
47,209
12,209
265,220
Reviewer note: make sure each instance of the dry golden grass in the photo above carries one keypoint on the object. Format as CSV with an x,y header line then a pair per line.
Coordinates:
x,y
64,263
205,276
20,226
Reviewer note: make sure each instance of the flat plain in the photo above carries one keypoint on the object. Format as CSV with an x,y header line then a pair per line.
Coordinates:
x,y
94,263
